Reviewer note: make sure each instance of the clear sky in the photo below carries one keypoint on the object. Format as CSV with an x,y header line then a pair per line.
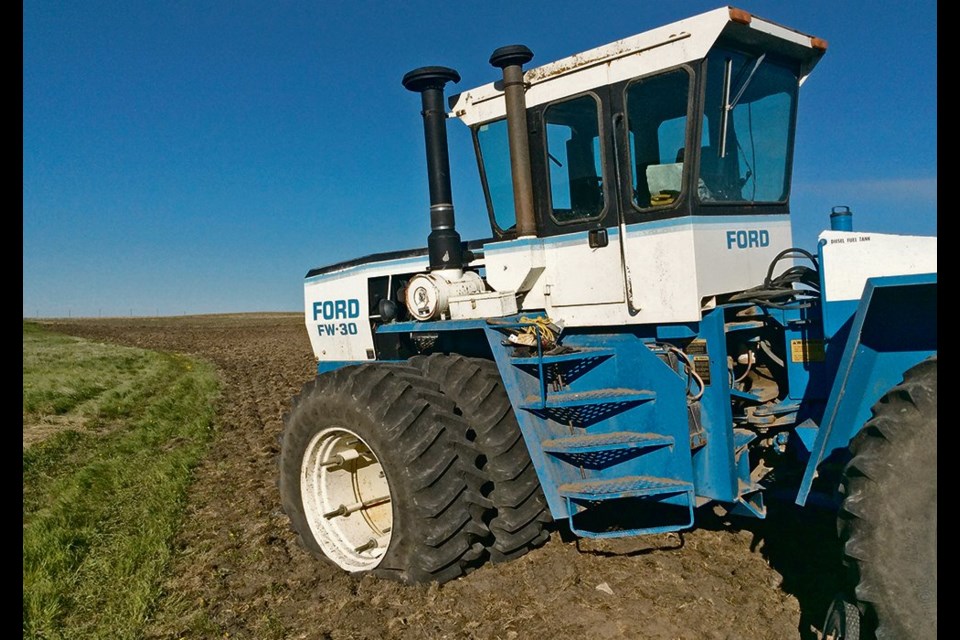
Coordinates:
x,y
202,156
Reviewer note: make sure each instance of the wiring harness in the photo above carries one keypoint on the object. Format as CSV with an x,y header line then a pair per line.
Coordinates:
x,y
795,288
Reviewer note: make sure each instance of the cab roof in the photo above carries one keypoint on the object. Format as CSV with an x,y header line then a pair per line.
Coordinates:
x,y
664,47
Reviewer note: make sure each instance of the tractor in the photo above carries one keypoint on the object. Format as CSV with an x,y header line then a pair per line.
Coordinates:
x,y
639,337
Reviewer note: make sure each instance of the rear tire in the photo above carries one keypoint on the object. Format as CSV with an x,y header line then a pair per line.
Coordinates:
x,y
843,621
519,511
888,521
394,433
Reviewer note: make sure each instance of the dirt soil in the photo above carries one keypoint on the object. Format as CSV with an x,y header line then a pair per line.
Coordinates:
x,y
239,573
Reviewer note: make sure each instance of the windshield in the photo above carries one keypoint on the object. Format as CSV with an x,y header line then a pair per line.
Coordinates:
x,y
745,157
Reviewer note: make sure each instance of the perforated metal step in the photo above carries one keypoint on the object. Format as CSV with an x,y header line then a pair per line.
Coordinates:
x,y
605,449
584,408
627,487
565,366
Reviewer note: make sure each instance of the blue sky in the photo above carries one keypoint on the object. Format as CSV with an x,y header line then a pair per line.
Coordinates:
x,y
201,157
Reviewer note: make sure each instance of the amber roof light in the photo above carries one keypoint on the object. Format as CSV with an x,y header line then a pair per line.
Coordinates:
x,y
739,15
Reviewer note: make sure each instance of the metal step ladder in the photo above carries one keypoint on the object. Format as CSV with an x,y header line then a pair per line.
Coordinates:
x,y
606,456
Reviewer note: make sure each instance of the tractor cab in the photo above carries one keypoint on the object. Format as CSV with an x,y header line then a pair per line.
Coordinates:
x,y
696,118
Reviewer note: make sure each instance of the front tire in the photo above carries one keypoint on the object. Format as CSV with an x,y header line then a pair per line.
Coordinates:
x,y
371,479
888,521
519,509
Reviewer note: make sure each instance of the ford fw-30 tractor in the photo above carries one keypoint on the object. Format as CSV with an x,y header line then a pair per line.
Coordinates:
x,y
639,337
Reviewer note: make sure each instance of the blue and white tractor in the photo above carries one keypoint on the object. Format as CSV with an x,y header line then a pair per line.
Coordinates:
x,y
639,337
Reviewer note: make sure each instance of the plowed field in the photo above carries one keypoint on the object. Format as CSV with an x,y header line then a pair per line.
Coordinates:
x,y
239,572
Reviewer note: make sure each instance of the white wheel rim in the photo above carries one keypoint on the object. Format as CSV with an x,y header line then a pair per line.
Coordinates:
x,y
346,499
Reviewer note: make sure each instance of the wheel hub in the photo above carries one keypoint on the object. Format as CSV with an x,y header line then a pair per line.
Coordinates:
x,y
346,499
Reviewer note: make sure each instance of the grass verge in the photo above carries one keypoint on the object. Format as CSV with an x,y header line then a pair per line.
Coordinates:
x,y
105,482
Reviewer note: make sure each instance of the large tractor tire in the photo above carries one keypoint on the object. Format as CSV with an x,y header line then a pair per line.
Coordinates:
x,y
519,508
843,620
888,521
371,477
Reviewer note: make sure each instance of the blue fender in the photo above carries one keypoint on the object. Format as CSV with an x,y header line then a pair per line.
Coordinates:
x,y
893,329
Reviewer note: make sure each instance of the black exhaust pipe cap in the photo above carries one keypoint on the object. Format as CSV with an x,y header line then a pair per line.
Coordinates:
x,y
510,55
429,78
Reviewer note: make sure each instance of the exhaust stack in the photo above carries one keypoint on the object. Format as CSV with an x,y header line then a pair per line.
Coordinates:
x,y
511,60
443,243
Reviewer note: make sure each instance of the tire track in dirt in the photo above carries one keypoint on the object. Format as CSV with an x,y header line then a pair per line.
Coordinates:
x,y
239,573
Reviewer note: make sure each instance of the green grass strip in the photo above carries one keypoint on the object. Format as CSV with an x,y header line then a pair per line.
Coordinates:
x,y
104,497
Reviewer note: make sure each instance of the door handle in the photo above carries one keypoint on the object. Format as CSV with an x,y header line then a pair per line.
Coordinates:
x,y
598,238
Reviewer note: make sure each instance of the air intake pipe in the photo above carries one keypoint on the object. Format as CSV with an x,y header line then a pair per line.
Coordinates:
x,y
443,243
511,60
427,295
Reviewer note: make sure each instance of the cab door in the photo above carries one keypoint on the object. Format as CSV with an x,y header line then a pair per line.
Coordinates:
x,y
578,213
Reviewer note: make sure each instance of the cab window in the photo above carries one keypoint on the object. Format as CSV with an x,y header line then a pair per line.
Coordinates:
x,y
493,150
657,125
574,160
